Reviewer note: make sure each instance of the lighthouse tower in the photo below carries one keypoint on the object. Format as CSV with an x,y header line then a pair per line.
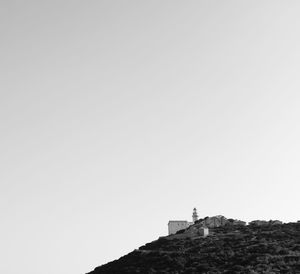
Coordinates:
x,y
195,215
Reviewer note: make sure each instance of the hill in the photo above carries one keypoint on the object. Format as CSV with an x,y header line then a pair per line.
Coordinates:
x,y
260,247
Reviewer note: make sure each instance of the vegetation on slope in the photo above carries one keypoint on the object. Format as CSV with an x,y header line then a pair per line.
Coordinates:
x,y
228,249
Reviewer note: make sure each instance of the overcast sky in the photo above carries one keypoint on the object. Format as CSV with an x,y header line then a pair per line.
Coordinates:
x,y
117,116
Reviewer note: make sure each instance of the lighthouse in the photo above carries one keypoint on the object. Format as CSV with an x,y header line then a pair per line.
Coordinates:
x,y
195,215
174,226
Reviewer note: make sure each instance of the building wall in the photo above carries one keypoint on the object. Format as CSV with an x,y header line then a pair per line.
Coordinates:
x,y
175,226
203,231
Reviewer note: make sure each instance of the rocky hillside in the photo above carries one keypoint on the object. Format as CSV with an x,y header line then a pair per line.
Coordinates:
x,y
232,247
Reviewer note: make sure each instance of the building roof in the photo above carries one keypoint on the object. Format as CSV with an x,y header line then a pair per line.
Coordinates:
x,y
179,221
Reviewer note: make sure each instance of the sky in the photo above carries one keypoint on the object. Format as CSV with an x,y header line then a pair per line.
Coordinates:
x,y
118,116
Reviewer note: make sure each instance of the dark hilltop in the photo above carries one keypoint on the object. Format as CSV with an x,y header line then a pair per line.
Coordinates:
x,y
231,246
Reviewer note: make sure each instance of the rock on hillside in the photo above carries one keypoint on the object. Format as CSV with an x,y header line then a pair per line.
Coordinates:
x,y
255,248
217,221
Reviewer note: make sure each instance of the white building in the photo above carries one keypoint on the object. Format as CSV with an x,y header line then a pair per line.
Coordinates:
x,y
174,226
203,231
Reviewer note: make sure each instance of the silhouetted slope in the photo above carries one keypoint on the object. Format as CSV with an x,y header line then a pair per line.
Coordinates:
x,y
228,249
